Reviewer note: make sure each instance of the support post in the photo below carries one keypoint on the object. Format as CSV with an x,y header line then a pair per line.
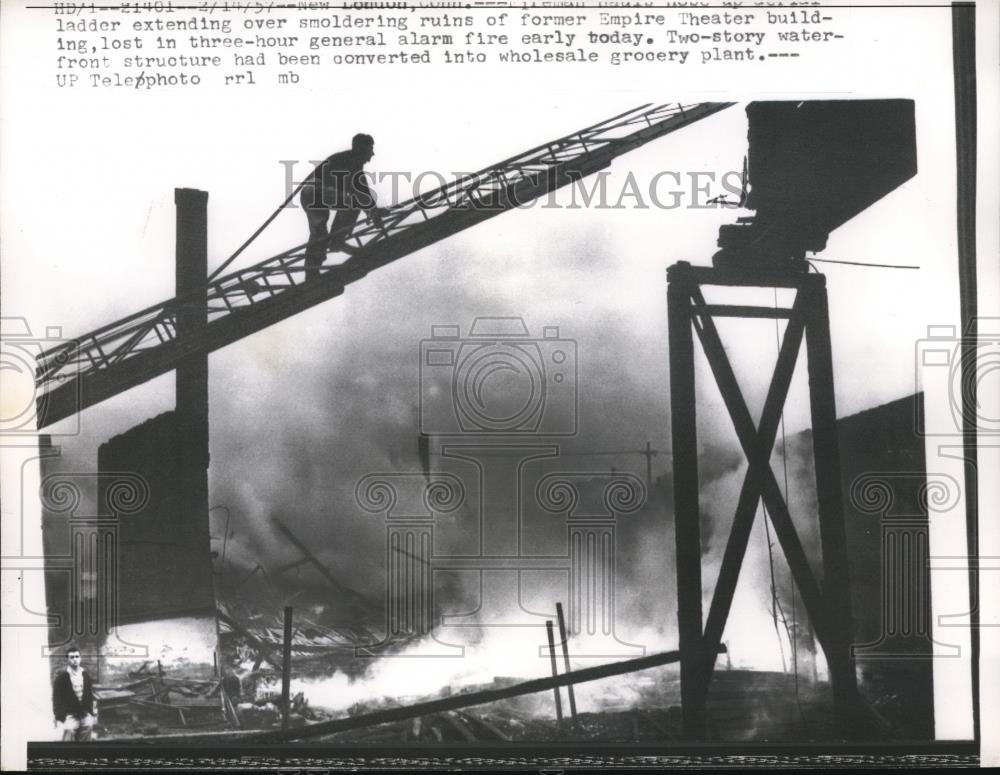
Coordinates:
x,y
555,673
286,668
565,650
686,517
191,385
191,261
833,533
963,32
829,604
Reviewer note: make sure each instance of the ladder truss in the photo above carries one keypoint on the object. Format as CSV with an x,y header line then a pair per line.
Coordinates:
x,y
116,357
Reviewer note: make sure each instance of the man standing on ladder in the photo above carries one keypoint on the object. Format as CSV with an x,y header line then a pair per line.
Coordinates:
x,y
339,183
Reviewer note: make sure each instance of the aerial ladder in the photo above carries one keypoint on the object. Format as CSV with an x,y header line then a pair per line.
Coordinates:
x,y
128,352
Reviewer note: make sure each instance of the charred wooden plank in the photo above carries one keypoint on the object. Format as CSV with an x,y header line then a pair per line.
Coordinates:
x,y
470,699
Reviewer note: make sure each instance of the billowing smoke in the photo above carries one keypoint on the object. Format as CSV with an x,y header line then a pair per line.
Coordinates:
x,y
341,401
305,410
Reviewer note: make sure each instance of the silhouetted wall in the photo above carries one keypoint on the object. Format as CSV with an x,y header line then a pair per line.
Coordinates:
x,y
885,487
885,481
165,565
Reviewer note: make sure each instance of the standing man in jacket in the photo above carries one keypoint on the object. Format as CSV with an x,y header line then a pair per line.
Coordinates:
x,y
73,702
338,184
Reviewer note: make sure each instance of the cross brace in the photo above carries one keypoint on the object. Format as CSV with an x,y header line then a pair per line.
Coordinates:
x,y
828,605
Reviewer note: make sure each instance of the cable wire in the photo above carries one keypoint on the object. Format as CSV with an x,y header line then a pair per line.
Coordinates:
x,y
862,263
257,233
775,605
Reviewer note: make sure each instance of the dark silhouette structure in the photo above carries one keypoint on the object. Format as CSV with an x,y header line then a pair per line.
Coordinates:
x,y
886,488
812,166
165,563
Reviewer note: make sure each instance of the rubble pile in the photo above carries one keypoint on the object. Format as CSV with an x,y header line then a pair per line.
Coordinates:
x,y
742,705
151,702
759,705
644,707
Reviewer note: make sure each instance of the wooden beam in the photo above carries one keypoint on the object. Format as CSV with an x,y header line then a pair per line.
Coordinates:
x,y
742,311
830,506
683,271
466,700
486,724
453,720
314,561
286,669
161,707
262,648
760,464
687,526
564,638
746,509
555,673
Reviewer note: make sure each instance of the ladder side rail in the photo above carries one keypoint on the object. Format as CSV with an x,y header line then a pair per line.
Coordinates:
x,y
99,385
218,286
